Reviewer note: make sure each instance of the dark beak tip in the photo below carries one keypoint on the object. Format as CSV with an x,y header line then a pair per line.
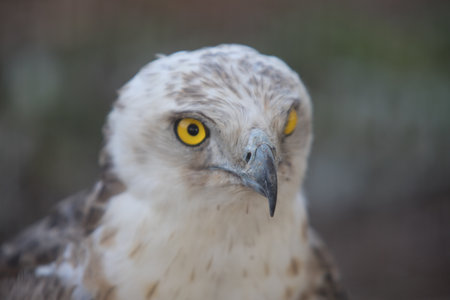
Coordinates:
x,y
272,205
272,212
262,175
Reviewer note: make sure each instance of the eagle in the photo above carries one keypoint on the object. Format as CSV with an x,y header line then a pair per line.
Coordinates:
x,y
200,194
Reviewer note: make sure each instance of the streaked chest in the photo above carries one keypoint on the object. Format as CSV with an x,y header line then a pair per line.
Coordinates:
x,y
143,256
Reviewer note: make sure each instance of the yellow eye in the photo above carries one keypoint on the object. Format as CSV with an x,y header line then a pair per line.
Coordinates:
x,y
291,122
190,131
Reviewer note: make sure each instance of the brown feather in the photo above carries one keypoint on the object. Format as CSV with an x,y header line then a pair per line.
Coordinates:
x,y
28,286
44,242
328,286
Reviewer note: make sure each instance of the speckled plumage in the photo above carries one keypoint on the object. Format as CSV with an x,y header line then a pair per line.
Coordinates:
x,y
169,221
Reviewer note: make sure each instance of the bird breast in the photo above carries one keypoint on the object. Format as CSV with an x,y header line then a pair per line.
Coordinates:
x,y
223,253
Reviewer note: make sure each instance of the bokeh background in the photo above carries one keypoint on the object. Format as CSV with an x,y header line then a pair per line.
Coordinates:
x,y
378,73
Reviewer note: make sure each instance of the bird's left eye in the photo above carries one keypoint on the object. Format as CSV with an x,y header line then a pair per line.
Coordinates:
x,y
291,122
190,131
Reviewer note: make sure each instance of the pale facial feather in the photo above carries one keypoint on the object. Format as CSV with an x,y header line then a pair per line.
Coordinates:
x,y
232,89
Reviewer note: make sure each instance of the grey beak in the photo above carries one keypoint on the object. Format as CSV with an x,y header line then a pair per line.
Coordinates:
x,y
261,174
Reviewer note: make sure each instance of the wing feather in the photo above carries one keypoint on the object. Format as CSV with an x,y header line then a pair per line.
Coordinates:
x,y
328,285
70,222
44,241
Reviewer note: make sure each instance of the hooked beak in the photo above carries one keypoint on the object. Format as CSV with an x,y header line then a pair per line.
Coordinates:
x,y
261,174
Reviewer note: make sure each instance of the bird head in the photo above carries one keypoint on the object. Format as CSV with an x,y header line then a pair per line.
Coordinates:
x,y
220,118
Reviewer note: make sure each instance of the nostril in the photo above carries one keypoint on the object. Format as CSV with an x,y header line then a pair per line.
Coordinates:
x,y
248,156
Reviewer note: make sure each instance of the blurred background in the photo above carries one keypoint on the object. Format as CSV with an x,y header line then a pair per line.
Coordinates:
x,y
378,73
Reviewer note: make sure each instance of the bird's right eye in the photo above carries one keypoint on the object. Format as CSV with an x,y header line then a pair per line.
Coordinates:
x,y
190,131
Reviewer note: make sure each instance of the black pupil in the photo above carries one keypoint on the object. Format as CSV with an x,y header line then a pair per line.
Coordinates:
x,y
193,129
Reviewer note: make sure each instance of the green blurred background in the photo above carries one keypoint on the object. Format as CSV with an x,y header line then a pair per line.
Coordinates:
x,y
378,73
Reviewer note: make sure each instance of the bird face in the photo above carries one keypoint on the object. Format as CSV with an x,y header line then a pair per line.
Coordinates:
x,y
217,118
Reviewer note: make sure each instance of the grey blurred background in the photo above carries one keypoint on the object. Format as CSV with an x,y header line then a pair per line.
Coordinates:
x,y
378,73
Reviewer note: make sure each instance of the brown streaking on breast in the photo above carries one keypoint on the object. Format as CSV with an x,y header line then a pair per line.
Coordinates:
x,y
294,267
151,290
